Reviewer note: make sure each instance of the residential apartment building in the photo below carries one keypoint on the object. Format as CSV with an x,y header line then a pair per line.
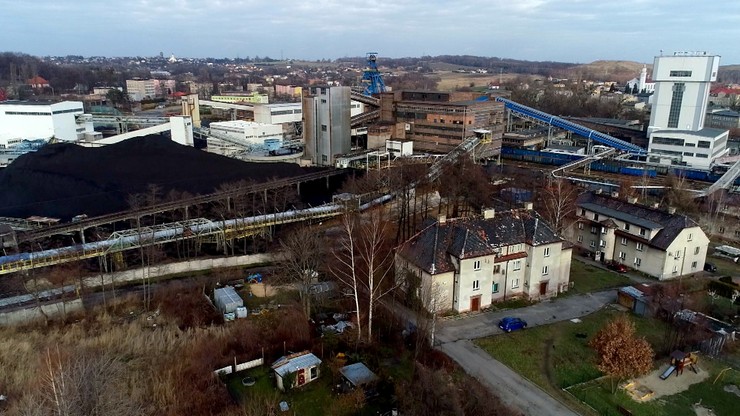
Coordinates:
x,y
662,244
466,264
140,89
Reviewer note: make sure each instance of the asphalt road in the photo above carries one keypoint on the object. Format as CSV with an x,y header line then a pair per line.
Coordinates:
x,y
454,337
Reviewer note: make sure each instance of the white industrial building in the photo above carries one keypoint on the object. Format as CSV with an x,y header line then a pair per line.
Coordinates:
x,y
278,113
257,134
30,120
676,132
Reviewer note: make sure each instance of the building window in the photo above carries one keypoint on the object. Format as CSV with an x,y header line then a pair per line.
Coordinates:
x,y
314,372
691,237
547,252
596,217
497,269
622,255
624,241
545,270
721,230
593,230
684,74
626,227
639,246
737,233
593,243
580,225
323,101
675,111
517,265
602,243
693,265
476,284
495,288
476,265
678,254
638,261
323,127
583,212
580,238
643,232
704,144
675,269
696,250
515,283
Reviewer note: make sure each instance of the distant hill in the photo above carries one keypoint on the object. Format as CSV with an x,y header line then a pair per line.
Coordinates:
x,y
620,71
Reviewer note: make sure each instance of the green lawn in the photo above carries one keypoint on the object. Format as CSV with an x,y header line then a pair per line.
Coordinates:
x,y
587,278
312,399
557,356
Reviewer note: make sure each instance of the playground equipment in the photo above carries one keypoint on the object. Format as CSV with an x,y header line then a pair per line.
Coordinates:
x,y
680,360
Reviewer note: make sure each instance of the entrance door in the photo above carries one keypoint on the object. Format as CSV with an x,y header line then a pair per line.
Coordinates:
x,y
543,288
475,304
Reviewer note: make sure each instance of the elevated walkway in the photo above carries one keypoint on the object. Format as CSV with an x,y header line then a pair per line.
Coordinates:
x,y
226,106
365,99
572,127
724,182
364,118
581,162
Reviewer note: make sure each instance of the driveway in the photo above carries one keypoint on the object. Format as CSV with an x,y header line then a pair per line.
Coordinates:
x,y
454,338
547,312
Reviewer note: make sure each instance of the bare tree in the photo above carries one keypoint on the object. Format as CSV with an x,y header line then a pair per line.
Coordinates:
x,y
303,258
559,202
376,255
346,273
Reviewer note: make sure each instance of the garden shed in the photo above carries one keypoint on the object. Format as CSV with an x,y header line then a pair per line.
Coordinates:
x,y
295,370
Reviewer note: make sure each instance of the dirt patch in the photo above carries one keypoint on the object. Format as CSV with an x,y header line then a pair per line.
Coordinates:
x,y
731,388
673,384
702,411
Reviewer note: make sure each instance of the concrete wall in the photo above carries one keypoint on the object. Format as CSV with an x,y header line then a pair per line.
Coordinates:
x,y
22,316
181,267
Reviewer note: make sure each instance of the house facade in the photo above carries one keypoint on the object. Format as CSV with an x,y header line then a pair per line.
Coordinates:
x,y
466,264
662,244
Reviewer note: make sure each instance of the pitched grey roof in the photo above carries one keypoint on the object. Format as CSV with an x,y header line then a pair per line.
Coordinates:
x,y
670,225
358,374
431,249
292,363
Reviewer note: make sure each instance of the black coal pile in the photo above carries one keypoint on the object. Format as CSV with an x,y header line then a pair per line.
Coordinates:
x,y
64,180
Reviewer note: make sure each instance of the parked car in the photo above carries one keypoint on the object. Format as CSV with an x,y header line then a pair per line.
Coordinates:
x,y
710,267
616,266
509,324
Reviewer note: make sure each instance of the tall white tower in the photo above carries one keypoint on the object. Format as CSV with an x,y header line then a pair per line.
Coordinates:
x,y
643,79
676,131
682,83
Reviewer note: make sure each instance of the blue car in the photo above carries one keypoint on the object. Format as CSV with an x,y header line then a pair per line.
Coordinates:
x,y
509,324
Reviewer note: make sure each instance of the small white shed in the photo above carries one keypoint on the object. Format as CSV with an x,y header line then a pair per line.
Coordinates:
x,y
304,364
227,300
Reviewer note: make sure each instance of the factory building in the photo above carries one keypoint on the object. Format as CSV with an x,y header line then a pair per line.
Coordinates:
x,y
676,132
256,134
440,121
278,113
326,121
31,120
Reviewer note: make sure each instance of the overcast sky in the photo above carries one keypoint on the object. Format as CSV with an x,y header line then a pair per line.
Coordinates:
x,y
558,30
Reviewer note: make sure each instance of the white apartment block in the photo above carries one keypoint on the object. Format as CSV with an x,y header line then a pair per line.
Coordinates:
x,y
661,244
140,89
466,264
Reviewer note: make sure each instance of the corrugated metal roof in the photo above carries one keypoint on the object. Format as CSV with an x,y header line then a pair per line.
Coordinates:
x,y
227,295
632,291
291,364
358,374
